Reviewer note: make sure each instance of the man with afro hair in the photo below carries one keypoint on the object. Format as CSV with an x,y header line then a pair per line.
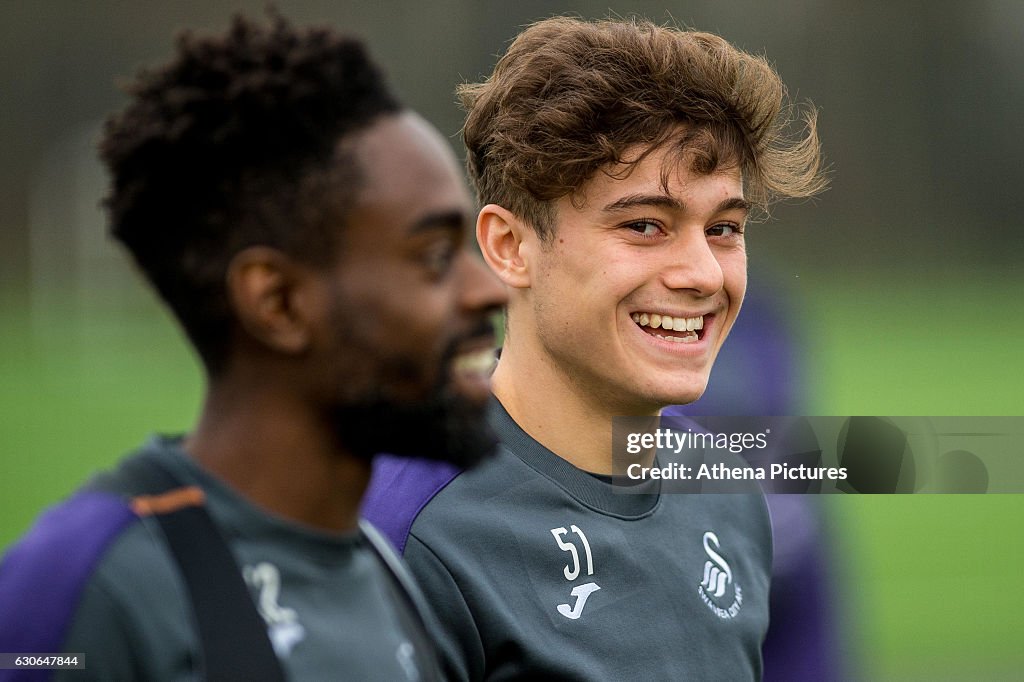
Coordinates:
x,y
312,238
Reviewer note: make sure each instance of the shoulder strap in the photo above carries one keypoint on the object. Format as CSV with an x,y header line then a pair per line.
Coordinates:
x,y
413,616
233,635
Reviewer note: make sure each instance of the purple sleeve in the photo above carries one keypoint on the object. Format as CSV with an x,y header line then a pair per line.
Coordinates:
x,y
42,577
802,641
399,489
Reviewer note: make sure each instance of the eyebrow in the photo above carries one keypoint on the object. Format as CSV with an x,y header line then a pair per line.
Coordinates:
x,y
666,201
443,220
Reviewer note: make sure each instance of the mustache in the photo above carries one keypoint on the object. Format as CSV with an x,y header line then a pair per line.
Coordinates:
x,y
482,330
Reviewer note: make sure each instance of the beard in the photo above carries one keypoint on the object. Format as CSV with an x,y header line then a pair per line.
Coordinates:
x,y
443,426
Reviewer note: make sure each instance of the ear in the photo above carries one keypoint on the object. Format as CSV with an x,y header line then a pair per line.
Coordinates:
x,y
500,235
273,298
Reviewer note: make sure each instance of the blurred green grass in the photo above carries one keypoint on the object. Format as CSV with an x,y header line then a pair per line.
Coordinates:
x,y
929,584
74,399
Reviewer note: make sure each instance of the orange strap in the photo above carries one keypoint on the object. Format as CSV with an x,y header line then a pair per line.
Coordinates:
x,y
171,501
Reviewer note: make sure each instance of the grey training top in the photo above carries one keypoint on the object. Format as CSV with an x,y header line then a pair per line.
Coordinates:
x,y
324,597
539,570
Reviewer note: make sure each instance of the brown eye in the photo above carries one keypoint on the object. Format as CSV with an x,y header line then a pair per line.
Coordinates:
x,y
724,230
648,229
438,258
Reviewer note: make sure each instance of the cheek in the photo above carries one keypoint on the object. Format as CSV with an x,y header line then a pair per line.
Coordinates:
x,y
394,298
396,353
559,310
577,306
400,325
734,273
598,272
413,327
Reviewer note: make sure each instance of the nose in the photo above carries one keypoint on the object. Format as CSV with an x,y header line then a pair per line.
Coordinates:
x,y
480,290
693,265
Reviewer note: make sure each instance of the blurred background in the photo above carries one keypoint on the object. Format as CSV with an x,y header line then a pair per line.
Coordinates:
x,y
900,289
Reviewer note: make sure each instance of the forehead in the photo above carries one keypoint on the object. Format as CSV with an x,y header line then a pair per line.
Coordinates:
x,y
406,171
664,170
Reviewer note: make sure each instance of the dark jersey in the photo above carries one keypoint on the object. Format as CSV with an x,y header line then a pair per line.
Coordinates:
x,y
539,570
92,577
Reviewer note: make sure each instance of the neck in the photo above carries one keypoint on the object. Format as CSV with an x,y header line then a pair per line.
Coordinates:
x,y
556,411
272,449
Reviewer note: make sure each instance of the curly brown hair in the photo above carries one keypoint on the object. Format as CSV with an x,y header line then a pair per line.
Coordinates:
x,y
571,97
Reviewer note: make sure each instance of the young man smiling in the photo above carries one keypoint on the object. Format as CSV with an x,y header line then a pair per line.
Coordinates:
x,y
617,162
312,237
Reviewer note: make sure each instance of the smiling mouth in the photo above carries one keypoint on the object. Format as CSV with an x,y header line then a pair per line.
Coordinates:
x,y
674,329
470,372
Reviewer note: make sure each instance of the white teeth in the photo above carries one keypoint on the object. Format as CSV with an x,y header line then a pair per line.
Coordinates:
x,y
678,339
477,362
667,322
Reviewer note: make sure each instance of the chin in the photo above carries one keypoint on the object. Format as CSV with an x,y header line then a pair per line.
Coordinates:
x,y
680,394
